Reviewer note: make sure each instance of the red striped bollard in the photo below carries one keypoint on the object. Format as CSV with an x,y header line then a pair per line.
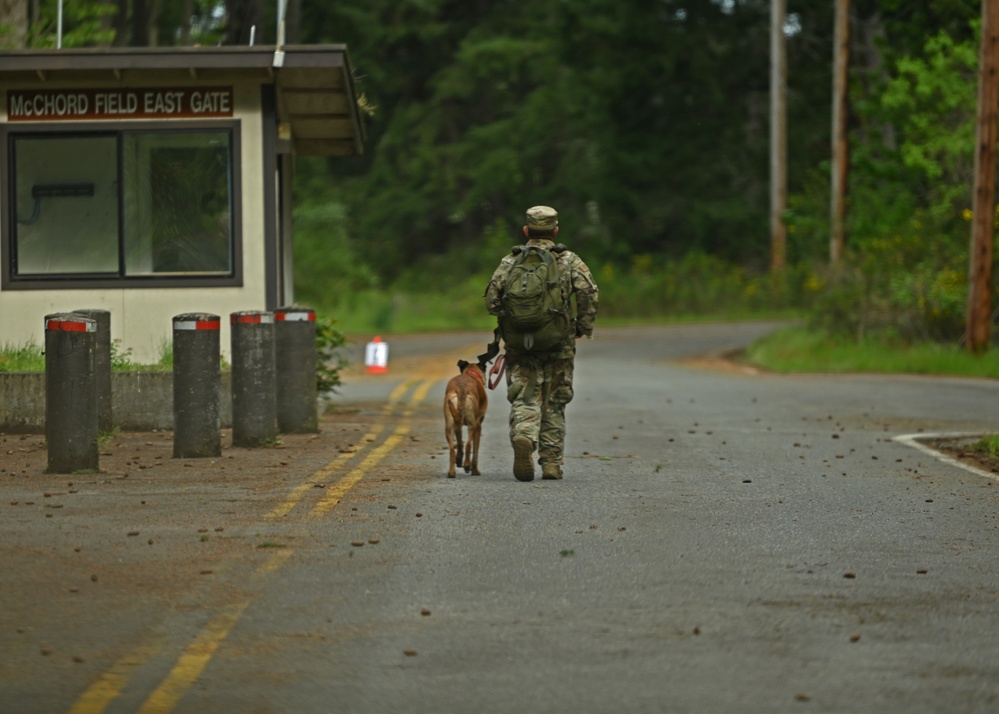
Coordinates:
x,y
254,398
197,428
70,393
295,353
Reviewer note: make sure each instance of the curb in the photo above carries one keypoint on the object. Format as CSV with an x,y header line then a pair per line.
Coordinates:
x,y
913,440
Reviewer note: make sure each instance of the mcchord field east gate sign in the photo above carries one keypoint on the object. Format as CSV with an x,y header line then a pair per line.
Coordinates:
x,y
91,104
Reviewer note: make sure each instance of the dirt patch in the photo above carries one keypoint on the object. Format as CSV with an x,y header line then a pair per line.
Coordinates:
x,y
720,364
965,450
147,524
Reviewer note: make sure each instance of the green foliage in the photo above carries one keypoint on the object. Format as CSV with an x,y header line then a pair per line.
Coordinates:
x,y
85,24
931,101
399,310
651,288
987,444
21,358
643,123
329,360
914,176
882,291
121,360
904,278
31,358
102,23
699,284
329,264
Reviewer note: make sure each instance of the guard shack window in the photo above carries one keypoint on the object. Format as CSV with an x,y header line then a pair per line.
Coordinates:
x,y
124,208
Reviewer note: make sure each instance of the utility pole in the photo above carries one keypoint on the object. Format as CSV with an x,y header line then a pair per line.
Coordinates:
x,y
778,136
840,145
982,232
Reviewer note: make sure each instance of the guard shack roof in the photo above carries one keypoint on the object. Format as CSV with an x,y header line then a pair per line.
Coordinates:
x,y
316,101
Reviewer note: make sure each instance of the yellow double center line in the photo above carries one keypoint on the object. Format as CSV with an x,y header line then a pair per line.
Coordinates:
x,y
336,492
198,654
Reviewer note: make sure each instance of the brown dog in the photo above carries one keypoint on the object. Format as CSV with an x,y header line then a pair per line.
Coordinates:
x,y
465,405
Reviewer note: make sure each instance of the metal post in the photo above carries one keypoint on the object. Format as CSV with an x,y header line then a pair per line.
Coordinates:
x,y
254,399
295,352
102,366
70,393
197,430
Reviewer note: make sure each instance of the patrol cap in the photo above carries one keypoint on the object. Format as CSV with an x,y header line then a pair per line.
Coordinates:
x,y
542,218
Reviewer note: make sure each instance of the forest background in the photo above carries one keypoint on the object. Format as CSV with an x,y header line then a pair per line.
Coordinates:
x,y
645,123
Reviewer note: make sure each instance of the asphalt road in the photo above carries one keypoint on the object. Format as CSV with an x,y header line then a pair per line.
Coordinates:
x,y
723,541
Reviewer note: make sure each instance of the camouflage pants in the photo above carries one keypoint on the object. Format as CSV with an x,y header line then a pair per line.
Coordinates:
x,y
538,388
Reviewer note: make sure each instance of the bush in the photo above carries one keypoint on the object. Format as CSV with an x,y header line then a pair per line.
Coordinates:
x,y
698,285
894,290
329,360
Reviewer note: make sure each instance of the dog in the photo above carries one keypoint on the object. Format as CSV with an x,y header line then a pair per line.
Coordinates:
x,y
465,404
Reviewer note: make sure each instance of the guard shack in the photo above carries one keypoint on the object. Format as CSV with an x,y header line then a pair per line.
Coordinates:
x,y
157,181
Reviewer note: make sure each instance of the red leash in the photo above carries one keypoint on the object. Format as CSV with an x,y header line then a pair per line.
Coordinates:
x,y
498,368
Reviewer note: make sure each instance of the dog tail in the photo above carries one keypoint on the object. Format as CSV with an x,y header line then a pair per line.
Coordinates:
x,y
452,405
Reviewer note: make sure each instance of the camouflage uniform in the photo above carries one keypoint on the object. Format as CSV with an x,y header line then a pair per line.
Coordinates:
x,y
539,385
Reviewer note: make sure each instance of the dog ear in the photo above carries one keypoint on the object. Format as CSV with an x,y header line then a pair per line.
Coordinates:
x,y
462,364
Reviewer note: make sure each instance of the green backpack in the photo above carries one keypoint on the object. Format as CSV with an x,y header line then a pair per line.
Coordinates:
x,y
535,316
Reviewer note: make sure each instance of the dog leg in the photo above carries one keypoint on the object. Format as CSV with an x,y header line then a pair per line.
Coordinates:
x,y
474,435
469,462
449,433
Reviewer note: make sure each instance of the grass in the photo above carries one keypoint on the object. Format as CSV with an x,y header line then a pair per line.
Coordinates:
x,y
28,357
797,349
987,444
21,358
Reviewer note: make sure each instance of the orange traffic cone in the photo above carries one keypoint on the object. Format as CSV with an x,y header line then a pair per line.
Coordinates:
x,y
376,356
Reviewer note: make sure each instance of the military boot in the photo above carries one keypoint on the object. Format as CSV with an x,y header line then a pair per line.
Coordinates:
x,y
551,471
523,459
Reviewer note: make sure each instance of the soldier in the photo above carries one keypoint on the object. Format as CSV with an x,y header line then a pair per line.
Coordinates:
x,y
539,382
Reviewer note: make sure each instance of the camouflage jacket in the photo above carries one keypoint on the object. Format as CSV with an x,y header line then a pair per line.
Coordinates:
x,y
576,281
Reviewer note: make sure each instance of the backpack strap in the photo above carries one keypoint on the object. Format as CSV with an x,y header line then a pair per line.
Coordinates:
x,y
522,251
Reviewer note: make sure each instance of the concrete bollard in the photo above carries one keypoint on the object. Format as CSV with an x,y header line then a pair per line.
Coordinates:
x,y
70,393
102,366
295,355
197,430
254,398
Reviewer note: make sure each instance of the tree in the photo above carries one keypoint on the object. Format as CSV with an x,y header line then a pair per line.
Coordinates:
x,y
644,122
983,198
13,23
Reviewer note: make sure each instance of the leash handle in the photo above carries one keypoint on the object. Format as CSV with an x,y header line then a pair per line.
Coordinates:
x,y
498,368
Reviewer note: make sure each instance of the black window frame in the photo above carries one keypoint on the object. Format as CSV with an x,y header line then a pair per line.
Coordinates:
x,y
11,281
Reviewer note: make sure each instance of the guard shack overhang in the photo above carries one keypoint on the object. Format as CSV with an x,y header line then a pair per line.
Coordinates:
x,y
154,182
